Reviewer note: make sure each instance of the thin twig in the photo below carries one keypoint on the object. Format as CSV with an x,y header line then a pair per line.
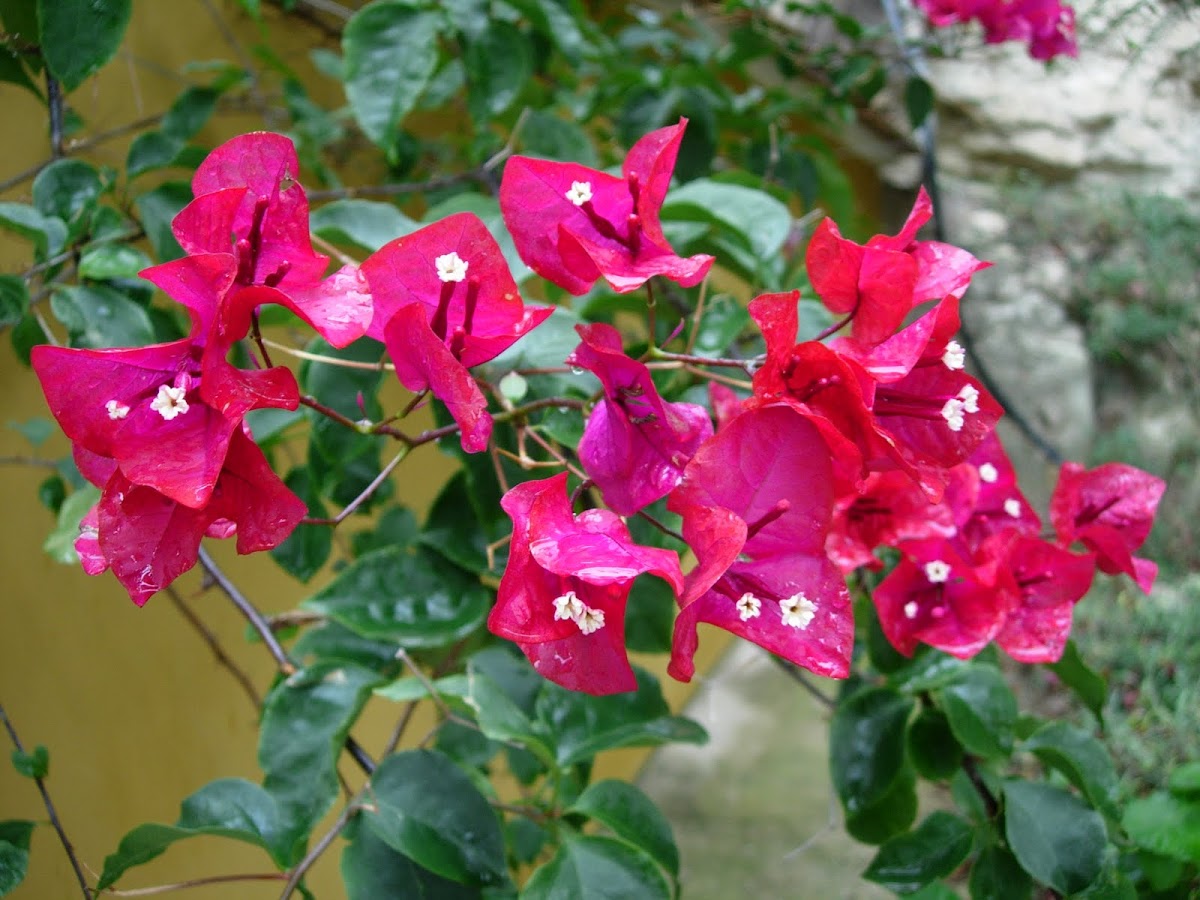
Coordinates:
x,y
50,810
256,619
697,317
797,675
194,883
54,100
397,188
302,867
362,498
214,644
661,527
28,461
330,360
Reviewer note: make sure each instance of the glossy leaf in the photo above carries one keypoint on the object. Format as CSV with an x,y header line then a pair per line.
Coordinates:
x,y
60,543
934,849
368,224
14,300
1081,758
14,853
626,811
996,875
934,752
103,261
499,63
66,188
1165,824
866,746
451,830
48,233
372,870
891,815
1057,838
499,717
417,599
755,217
98,316
597,868
77,37
1087,685
32,765
157,208
981,709
308,547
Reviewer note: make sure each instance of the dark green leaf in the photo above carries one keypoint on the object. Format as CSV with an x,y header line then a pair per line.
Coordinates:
x,y
756,218
105,261
891,815
498,715
934,849
231,807
48,233
304,725
1165,824
397,527
417,599
1081,758
152,150
630,814
13,72
981,709
562,23
650,615
26,335
1087,685
372,870
1185,780
555,137
996,875
368,224
32,765
189,113
932,748
918,100
425,807
14,853
723,320
866,746
60,543
935,891
66,188
52,493
14,300
583,725
308,547
597,868
332,642
390,52
1057,838
157,208
525,839
77,37
499,62
459,538
99,316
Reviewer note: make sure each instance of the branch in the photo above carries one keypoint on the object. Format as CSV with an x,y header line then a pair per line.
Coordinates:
x,y
214,645
54,101
798,676
196,882
50,810
297,874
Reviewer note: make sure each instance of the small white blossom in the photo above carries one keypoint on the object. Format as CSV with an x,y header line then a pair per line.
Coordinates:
x,y
937,571
170,402
580,192
568,606
451,267
910,609
952,412
954,357
116,410
748,606
1012,506
969,396
797,611
988,473
590,620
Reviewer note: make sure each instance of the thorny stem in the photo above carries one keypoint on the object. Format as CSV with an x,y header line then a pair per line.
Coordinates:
x,y
214,645
50,810
196,882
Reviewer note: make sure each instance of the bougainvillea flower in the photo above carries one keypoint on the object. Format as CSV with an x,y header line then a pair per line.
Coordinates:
x,y
445,301
878,284
1048,581
1111,510
250,206
572,224
562,596
146,409
756,502
935,596
927,341
149,540
998,503
634,445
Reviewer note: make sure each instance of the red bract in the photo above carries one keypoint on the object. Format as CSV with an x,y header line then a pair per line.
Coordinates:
x,y
634,445
562,596
1110,509
756,502
937,597
250,207
1047,25
998,503
572,224
149,539
445,301
878,284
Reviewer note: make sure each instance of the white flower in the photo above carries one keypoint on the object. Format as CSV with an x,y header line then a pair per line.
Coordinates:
x,y
988,473
590,620
116,410
580,192
937,571
748,606
797,611
954,357
969,396
169,402
952,412
568,606
451,267
910,609
1012,506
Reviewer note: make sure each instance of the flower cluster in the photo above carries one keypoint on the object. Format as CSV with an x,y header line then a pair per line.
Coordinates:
x,y
1047,26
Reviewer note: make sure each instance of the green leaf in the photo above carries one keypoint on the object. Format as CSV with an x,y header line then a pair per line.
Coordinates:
x,y
32,765
981,709
1165,824
390,52
425,807
417,599
498,715
304,725
14,853
308,547
560,22
554,137
49,234
723,320
760,221
77,37
626,811
36,430
231,807
52,493
462,539
14,300
1185,780
996,875
1057,838
157,208
103,261
60,543
189,113
597,868
934,849
371,870
26,335
152,150
934,752
99,316
499,63
918,100
13,72
1081,758
1089,687
332,642
891,815
66,189
397,527
650,615
368,224
866,746
583,725
546,347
